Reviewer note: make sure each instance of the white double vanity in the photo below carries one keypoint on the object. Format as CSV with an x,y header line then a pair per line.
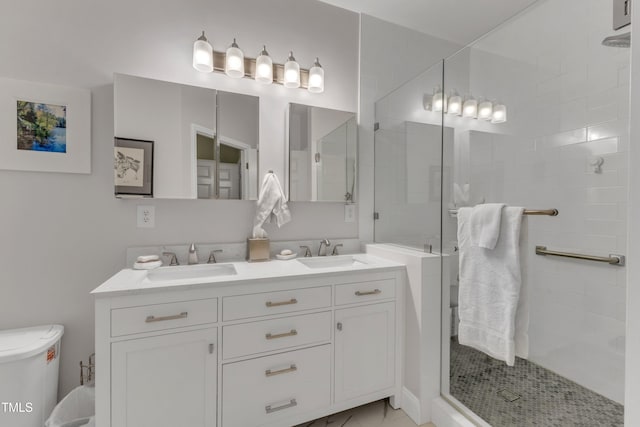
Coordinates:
x,y
248,344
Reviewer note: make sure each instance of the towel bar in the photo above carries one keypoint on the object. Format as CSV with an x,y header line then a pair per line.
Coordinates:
x,y
612,259
548,212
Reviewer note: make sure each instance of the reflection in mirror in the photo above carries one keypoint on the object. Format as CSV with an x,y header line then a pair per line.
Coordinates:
x,y
237,146
322,154
190,126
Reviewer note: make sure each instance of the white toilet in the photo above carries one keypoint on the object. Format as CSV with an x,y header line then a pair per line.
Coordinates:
x,y
29,362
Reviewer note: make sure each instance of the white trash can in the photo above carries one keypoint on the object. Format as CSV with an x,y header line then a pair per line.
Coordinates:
x,y
29,362
77,409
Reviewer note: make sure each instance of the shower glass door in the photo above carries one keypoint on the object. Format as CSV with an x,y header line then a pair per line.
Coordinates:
x,y
534,114
550,131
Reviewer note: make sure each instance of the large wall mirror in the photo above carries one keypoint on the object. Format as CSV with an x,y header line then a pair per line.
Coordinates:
x,y
205,142
322,154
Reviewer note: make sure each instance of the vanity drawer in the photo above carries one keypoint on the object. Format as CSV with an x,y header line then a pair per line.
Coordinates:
x,y
157,317
365,291
268,389
276,334
264,304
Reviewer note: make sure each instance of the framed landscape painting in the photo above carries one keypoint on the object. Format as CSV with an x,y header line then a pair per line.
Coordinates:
x,y
133,167
44,128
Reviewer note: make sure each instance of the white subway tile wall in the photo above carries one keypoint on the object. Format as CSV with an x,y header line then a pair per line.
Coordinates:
x,y
568,100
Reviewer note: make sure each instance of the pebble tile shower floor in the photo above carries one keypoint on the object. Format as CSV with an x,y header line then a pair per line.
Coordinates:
x,y
525,395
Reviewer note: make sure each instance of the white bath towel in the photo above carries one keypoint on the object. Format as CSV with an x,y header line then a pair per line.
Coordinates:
x,y
490,284
484,225
271,201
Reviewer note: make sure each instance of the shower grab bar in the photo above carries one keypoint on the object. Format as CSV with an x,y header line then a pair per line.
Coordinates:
x,y
547,212
613,259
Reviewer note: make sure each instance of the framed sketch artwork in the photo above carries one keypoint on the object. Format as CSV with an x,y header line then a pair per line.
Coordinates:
x,y
133,167
44,128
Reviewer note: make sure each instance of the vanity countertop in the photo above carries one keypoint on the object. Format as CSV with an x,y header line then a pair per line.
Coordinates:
x,y
129,281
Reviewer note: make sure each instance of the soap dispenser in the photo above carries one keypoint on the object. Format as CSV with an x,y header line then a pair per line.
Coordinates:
x,y
193,255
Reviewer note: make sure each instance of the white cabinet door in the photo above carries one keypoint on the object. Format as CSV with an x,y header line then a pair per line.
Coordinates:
x,y
167,380
364,350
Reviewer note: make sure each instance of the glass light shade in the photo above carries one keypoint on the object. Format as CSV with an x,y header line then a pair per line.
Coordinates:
x,y
470,108
316,78
485,110
439,101
455,105
499,113
264,67
202,55
234,63
291,72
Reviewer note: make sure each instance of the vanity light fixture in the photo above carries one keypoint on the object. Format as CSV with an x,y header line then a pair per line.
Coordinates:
x,y
470,108
455,104
439,101
202,55
264,67
316,78
234,62
499,113
291,72
485,110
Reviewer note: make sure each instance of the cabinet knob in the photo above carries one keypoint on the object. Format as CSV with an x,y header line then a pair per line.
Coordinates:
x,y
211,348
339,325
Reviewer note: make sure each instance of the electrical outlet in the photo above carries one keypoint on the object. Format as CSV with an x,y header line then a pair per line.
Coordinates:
x,y
349,213
146,216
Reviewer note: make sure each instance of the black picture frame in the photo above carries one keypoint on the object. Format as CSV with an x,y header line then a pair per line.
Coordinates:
x,y
137,152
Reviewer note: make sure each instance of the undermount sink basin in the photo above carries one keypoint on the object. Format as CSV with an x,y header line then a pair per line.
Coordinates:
x,y
189,272
339,261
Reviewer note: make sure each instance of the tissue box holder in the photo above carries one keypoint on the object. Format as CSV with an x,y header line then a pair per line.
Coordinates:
x,y
257,250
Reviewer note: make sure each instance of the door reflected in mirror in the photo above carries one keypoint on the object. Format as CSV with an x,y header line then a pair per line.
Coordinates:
x,y
205,141
322,154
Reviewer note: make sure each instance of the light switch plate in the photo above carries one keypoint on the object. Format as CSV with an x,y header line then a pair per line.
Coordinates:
x,y
349,213
146,216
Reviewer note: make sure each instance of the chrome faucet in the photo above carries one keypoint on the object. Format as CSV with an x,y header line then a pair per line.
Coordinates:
x,y
326,243
212,256
173,260
307,251
335,249
193,254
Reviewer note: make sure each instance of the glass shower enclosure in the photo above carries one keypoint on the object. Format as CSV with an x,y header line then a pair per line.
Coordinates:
x,y
534,114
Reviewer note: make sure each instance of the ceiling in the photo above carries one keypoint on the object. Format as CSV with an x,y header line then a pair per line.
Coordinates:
x,y
460,21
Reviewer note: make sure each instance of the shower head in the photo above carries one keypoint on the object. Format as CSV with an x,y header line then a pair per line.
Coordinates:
x,y
619,40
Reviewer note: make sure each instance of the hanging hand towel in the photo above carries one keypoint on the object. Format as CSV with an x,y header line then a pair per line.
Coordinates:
x,y
271,201
490,282
484,225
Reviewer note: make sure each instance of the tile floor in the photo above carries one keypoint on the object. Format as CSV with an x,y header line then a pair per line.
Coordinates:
x,y
526,394
376,414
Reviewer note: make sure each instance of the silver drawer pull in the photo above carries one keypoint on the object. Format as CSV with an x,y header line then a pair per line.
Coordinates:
x,y
151,319
276,304
291,333
270,373
374,292
270,409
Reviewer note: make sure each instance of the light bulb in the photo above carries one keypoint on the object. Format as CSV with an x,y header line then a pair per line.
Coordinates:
x,y
485,110
470,108
499,113
234,64
202,55
291,72
316,78
455,104
439,101
264,67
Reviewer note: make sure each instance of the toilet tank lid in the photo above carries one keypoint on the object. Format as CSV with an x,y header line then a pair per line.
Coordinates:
x,y
16,344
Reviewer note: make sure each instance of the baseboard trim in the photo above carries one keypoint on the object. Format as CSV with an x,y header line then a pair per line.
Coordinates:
x,y
411,406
